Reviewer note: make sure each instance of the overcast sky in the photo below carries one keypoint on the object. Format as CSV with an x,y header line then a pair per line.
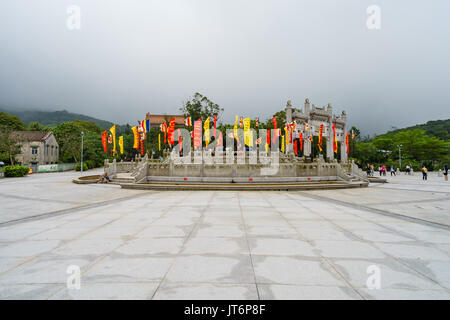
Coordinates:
x,y
249,56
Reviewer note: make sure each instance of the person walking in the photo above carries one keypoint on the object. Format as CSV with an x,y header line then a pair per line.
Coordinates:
x,y
445,173
392,170
368,170
407,169
424,173
380,170
383,168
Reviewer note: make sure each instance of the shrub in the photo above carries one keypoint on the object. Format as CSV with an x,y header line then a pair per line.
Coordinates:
x,y
15,171
78,167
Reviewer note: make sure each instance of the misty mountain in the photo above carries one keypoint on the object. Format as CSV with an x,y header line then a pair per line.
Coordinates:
x,y
54,117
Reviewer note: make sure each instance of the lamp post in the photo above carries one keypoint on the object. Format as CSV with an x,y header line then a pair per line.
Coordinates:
x,y
82,135
399,146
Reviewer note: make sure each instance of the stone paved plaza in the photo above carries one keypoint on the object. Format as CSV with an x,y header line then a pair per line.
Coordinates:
x,y
223,244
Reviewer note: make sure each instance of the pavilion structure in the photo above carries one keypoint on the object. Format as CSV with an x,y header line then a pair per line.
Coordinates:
x,y
315,116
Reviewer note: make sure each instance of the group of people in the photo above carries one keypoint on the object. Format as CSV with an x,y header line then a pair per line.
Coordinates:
x,y
408,169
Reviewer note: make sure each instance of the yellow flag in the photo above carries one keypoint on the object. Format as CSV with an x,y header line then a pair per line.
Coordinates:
x,y
159,142
282,143
235,128
286,130
247,132
206,128
267,147
121,144
113,132
136,138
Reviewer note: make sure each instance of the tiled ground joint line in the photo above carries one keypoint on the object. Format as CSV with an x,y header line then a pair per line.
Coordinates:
x,y
56,213
309,241
376,247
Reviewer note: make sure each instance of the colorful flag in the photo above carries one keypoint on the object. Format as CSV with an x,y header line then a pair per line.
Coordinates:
x,y
215,121
247,132
277,133
300,139
257,122
198,133
347,142
180,140
353,134
121,144
320,137
335,145
240,121
206,128
136,138
104,141
171,130
113,131
220,140
235,128
188,121
163,128
274,120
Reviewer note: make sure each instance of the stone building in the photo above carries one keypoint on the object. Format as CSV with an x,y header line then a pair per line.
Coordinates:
x,y
157,119
315,116
36,148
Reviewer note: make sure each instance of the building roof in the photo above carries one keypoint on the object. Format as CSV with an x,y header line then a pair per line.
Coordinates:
x,y
161,118
31,135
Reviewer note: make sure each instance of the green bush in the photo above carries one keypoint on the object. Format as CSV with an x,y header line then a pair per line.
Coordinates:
x,y
78,167
15,171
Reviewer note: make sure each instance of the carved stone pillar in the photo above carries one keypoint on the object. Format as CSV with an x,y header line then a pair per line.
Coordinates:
x,y
330,152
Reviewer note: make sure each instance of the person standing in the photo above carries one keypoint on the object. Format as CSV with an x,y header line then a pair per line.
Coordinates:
x,y
392,170
380,170
424,173
445,173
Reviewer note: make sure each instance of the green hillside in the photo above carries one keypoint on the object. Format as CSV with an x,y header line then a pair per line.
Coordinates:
x,y
50,118
436,128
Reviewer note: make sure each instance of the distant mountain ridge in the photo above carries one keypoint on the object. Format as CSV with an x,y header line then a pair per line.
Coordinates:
x,y
54,117
436,128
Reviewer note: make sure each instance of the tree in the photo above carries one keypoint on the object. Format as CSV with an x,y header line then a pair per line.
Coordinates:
x,y
9,147
200,107
35,126
281,120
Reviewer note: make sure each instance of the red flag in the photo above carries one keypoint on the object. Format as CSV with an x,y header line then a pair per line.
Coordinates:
x,y
198,133
301,141
346,142
320,137
268,137
171,130
104,140
295,147
164,129
215,120
142,147
274,120
220,141
180,140
335,146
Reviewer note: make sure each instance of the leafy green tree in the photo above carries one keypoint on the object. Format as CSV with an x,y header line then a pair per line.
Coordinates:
x,y
9,147
200,107
35,126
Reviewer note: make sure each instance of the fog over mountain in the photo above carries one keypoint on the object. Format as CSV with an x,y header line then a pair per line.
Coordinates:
x,y
132,57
